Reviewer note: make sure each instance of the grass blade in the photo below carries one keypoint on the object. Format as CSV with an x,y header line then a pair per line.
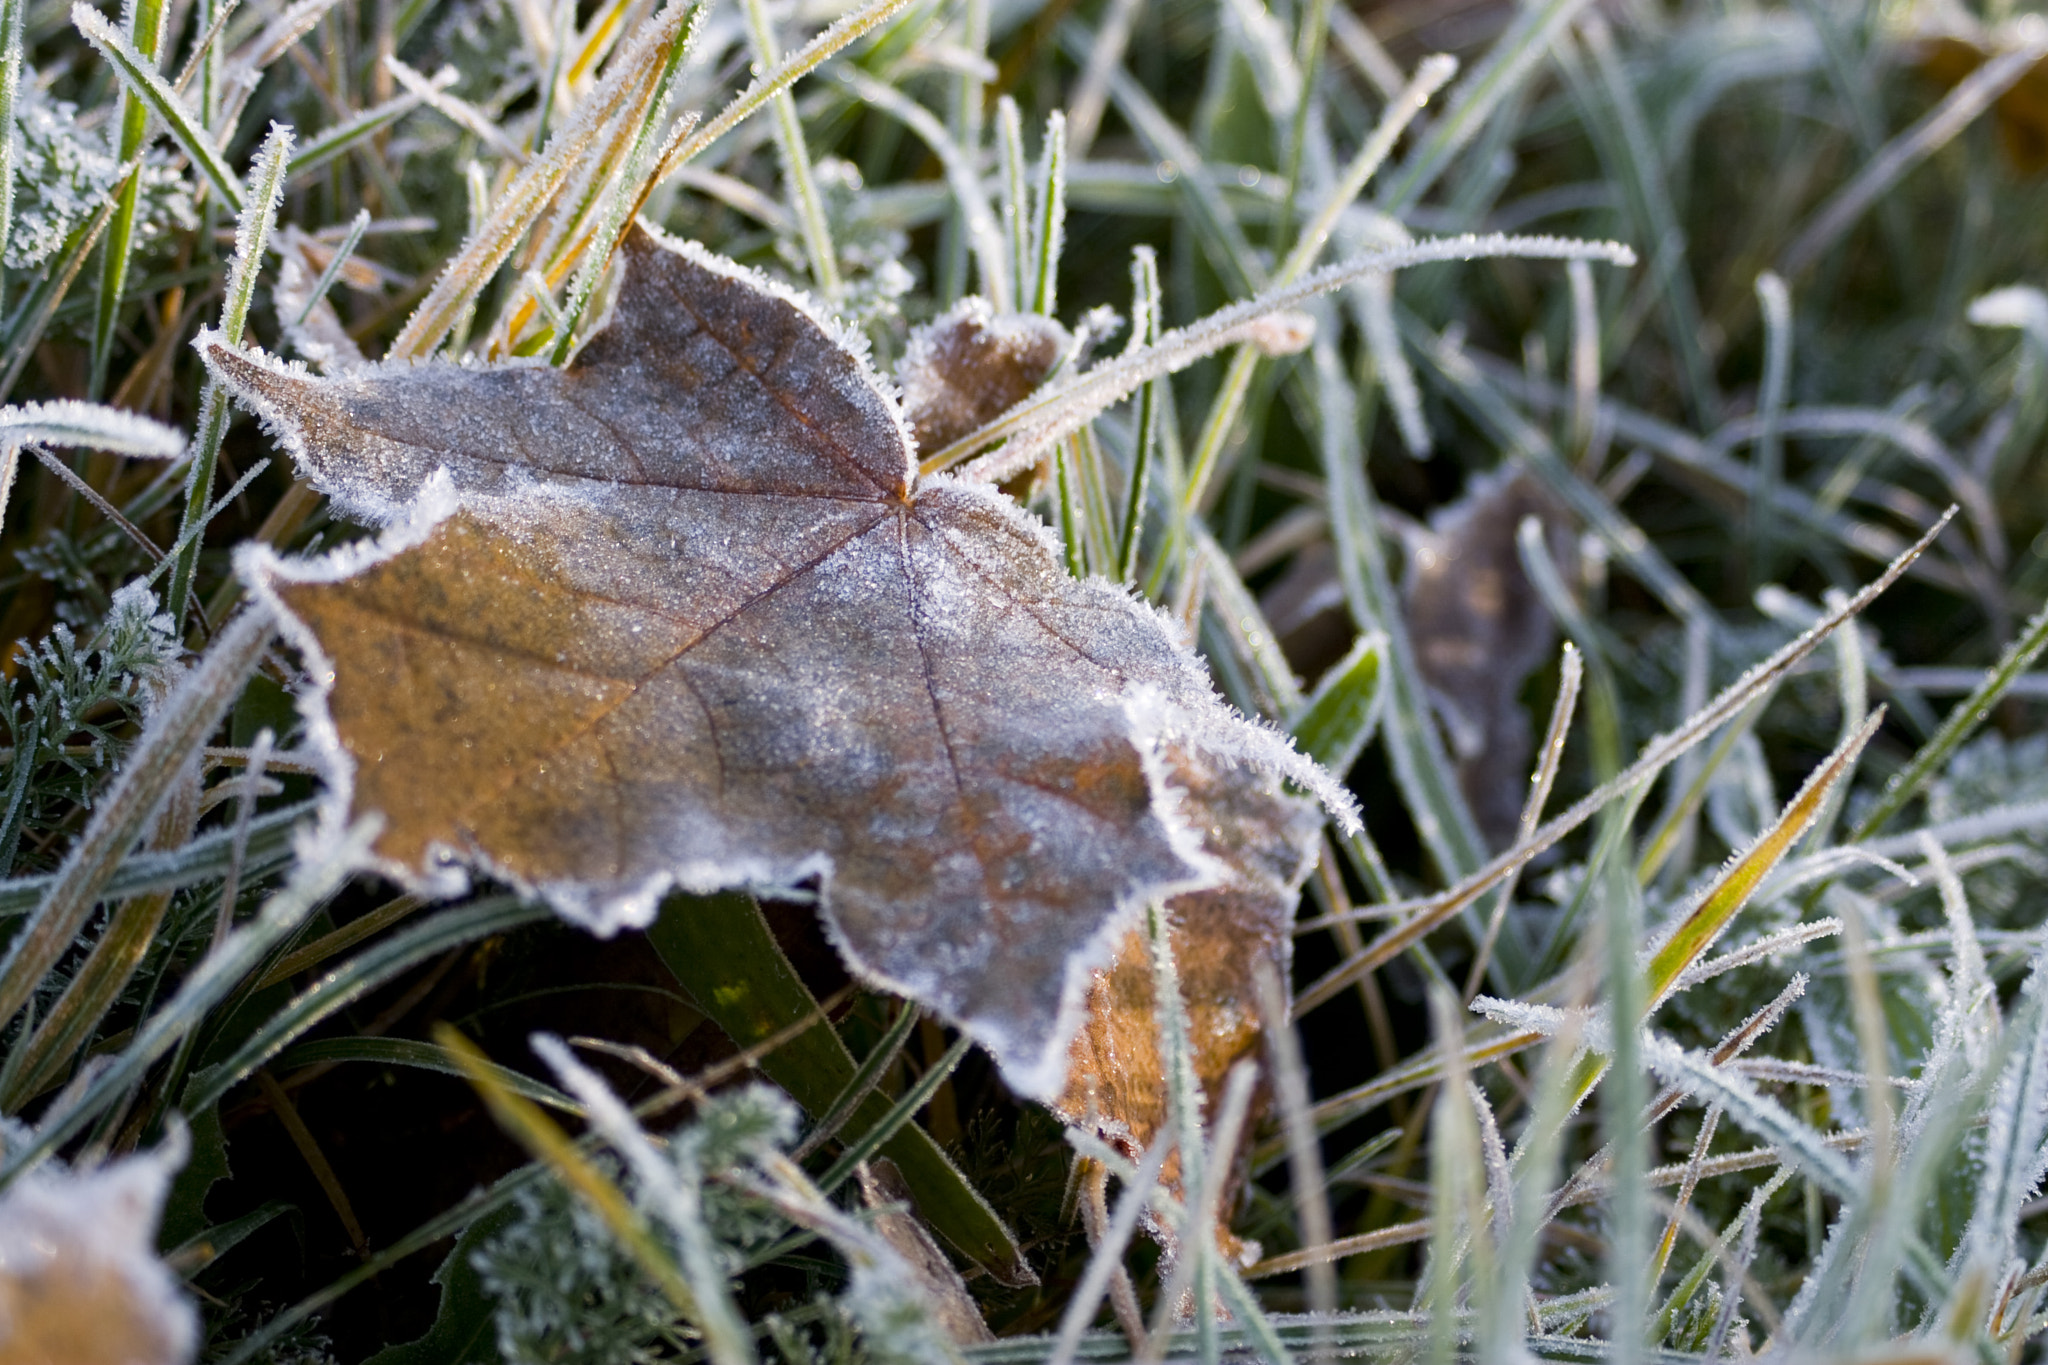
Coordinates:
x,y
1701,926
147,87
178,728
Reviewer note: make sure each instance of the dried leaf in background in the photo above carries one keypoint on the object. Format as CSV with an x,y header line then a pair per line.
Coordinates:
x,y
682,615
1479,629
895,1217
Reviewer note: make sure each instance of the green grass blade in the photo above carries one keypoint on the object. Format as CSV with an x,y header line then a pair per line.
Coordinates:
x,y
1507,66
1339,718
1704,923
149,89
897,1119
252,237
11,12
884,1054
802,181
410,1052
202,860
341,138
1959,725
340,986
179,727
203,988
1655,756
1049,225
146,36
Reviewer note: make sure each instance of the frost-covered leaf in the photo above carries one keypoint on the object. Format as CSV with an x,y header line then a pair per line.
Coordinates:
x,y
80,1281
1265,840
683,615
967,368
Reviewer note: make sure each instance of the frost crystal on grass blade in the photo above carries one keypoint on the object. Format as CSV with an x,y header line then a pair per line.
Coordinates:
x,y
682,615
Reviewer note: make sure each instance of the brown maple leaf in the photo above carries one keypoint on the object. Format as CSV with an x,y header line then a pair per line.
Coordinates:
x,y
682,614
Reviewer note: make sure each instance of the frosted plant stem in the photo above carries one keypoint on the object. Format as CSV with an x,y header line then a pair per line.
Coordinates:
x,y
1623,1099
534,189
1016,198
1960,724
964,129
1038,421
625,196
252,236
801,63
1145,307
1309,46
340,259
11,12
796,160
1091,92
1305,1160
1049,222
176,731
1430,77
146,34
1106,1257
141,78
1571,673
10,465
1585,363
219,972
1769,464
1506,66
984,234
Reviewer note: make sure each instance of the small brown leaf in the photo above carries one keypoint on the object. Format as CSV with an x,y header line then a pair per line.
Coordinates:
x,y
682,615
894,1211
1265,840
970,366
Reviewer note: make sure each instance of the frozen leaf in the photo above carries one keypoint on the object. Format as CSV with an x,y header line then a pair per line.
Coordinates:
x,y
682,615
1479,629
1265,841
80,1282
967,368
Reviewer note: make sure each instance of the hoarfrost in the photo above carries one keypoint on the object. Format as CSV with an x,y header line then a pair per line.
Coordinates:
x,y
80,1280
681,615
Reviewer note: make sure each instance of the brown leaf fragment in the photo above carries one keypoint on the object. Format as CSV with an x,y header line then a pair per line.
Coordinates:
x,y
80,1282
889,1201
1266,840
680,615
1479,629
968,367
2021,112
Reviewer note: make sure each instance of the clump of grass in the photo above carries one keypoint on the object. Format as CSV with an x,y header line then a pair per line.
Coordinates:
x,y
1737,1043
